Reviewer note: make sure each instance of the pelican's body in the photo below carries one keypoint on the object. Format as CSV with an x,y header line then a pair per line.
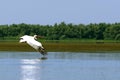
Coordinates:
x,y
31,40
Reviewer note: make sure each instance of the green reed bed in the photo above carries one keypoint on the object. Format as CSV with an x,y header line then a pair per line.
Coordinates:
x,y
63,46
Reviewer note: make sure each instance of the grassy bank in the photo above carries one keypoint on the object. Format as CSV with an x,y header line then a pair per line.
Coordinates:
x,y
67,46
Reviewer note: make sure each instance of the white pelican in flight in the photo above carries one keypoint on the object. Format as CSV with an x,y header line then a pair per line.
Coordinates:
x,y
31,40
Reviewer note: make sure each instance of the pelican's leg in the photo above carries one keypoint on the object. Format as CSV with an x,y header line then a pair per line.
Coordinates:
x,y
42,51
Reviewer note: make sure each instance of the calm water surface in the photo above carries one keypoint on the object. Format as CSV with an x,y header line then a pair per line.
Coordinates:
x,y
59,66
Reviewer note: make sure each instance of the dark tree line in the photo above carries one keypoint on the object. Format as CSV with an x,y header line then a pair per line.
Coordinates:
x,y
99,31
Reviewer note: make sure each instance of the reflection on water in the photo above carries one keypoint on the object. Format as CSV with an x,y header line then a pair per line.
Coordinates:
x,y
29,70
59,66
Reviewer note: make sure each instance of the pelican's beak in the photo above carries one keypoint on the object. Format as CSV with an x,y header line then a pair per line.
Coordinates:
x,y
39,36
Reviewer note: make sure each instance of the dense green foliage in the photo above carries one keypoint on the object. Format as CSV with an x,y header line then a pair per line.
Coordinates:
x,y
60,31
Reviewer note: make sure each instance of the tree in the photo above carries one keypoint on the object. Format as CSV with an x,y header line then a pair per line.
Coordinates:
x,y
112,31
1,34
117,37
63,31
100,31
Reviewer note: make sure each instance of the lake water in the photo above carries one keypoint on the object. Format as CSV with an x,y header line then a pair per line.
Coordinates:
x,y
59,66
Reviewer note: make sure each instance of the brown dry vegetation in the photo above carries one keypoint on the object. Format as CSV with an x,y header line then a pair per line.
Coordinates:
x,y
61,47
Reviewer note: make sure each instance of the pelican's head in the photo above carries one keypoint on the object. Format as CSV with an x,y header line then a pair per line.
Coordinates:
x,y
35,37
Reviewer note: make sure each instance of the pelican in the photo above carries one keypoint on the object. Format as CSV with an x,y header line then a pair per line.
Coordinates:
x,y
31,40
